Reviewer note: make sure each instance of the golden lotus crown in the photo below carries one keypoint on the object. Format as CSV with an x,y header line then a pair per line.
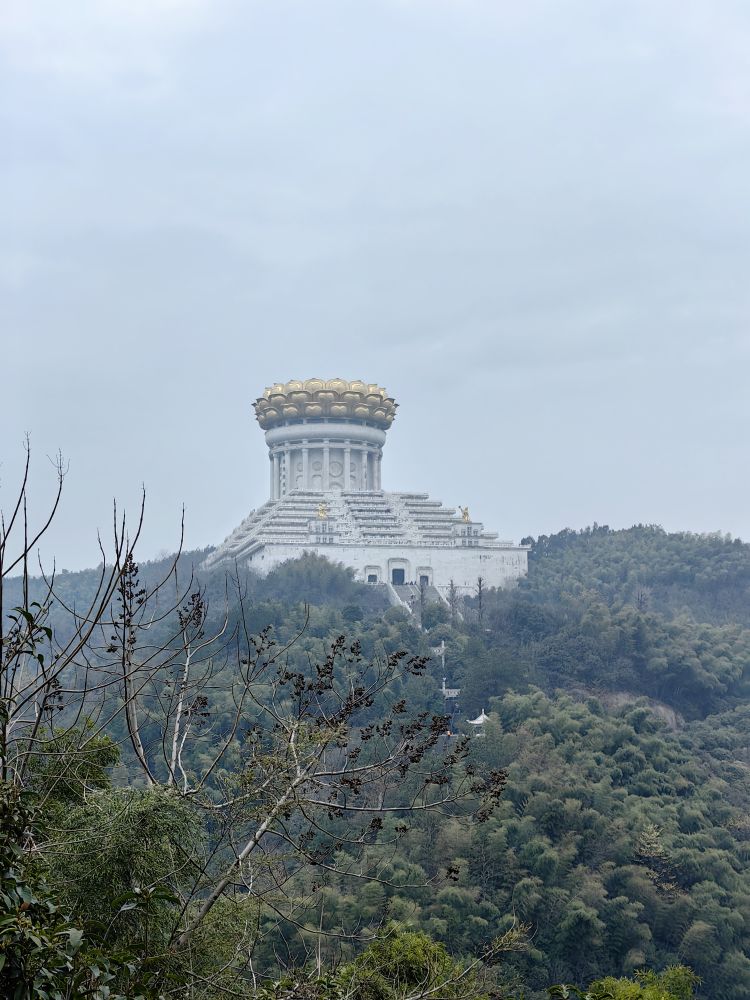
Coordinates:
x,y
318,399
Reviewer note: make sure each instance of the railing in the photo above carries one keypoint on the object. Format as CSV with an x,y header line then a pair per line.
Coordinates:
x,y
395,599
348,539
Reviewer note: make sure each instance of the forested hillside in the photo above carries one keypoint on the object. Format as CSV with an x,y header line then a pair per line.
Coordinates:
x,y
617,683
704,576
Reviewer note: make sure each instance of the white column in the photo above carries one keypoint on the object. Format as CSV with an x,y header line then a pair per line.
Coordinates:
x,y
270,471
365,468
378,470
276,490
326,466
347,467
287,469
305,468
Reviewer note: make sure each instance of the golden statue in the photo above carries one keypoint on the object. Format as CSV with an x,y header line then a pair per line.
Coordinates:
x,y
465,514
322,511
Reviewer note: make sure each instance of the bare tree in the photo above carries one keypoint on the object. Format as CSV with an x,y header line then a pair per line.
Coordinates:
x,y
290,764
38,672
453,601
642,597
480,588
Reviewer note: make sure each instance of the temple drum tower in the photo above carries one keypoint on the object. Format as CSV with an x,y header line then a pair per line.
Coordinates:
x,y
324,436
325,448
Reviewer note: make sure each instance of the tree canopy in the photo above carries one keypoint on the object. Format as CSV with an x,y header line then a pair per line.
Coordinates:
x,y
602,807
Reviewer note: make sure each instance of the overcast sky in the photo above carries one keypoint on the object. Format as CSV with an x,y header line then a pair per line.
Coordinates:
x,y
530,221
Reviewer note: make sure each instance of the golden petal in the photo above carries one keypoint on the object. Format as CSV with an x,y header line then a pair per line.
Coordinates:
x,y
337,384
316,397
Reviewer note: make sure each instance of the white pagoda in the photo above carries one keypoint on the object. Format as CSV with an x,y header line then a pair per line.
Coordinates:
x,y
325,447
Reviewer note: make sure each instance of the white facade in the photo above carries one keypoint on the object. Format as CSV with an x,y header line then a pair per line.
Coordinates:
x,y
325,448
396,538
440,566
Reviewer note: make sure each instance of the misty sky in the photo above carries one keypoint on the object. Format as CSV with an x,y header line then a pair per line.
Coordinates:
x,y
529,220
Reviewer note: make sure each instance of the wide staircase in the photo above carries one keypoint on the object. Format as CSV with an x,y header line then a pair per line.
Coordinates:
x,y
373,517
410,594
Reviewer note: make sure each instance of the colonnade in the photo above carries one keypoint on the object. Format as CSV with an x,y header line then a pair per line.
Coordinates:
x,y
324,465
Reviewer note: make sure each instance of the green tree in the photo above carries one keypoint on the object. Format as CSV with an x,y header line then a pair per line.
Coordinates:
x,y
676,983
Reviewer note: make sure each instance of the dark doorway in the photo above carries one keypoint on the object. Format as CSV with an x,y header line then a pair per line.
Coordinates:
x,y
372,578
424,581
397,577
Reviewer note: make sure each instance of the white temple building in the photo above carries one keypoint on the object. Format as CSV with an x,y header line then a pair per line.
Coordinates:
x,y
325,447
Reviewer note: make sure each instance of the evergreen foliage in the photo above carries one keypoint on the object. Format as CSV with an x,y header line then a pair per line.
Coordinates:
x,y
616,679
